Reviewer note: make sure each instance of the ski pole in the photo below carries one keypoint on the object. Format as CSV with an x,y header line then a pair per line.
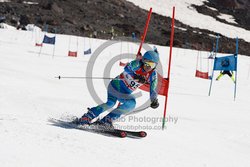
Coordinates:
x,y
61,77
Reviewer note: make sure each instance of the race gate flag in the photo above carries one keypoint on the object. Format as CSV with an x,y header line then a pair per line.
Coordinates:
x,y
87,51
49,40
227,63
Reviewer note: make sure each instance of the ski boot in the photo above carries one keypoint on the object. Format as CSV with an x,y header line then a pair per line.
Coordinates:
x,y
86,118
105,123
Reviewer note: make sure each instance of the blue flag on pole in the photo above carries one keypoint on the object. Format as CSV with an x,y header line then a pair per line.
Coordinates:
x,y
49,40
227,63
87,51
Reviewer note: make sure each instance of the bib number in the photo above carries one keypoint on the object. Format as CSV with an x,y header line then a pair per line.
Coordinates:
x,y
131,82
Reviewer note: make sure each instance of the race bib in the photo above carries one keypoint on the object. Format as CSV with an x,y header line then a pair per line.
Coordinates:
x,y
130,81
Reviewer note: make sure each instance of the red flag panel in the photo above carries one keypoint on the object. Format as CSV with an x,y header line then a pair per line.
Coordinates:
x,y
72,54
200,74
162,86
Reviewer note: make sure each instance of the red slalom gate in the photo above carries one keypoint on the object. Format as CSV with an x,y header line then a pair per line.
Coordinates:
x,y
169,65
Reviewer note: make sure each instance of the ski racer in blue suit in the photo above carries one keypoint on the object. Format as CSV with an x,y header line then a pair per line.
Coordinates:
x,y
135,73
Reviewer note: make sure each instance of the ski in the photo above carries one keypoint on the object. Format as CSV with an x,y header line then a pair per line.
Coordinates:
x,y
115,132
134,134
98,129
123,133
89,128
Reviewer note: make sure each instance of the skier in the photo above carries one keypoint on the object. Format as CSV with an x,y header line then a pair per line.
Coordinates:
x,y
135,73
229,73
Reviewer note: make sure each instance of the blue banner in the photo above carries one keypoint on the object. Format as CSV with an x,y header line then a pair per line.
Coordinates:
x,y
87,51
227,63
49,40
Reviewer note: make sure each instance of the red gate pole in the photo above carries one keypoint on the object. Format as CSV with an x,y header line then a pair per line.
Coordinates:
x,y
144,32
143,37
169,65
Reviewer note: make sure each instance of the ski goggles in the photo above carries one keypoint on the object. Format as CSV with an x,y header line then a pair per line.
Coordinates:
x,y
149,64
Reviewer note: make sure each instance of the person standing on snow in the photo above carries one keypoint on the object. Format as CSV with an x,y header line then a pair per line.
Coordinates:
x,y
229,73
135,73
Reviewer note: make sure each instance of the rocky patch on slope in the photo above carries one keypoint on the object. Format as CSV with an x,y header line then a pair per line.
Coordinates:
x,y
107,18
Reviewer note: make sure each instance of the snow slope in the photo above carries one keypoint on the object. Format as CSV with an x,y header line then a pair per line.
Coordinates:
x,y
200,130
189,16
